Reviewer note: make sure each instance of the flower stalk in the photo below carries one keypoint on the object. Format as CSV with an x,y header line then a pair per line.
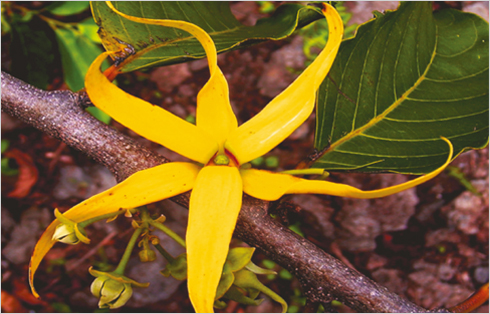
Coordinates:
x,y
127,252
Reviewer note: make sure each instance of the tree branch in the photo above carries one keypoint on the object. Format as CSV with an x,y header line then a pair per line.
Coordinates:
x,y
60,114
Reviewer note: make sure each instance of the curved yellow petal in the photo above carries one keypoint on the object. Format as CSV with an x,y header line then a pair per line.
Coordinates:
x,y
214,206
143,187
271,186
150,121
292,107
214,113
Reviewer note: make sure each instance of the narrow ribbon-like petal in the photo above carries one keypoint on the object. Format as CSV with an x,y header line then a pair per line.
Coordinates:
x,y
291,108
150,121
214,113
144,187
271,186
214,206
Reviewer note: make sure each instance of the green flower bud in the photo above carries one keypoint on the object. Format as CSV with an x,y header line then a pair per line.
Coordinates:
x,y
66,234
147,255
112,289
110,292
68,231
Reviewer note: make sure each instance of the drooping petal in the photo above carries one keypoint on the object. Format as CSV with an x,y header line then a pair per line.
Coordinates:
x,y
214,206
214,113
291,108
149,121
270,186
143,187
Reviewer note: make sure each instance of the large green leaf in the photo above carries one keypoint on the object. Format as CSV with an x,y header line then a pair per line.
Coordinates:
x,y
149,45
77,53
407,78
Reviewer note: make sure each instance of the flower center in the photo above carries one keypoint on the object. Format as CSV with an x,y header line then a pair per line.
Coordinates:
x,y
221,160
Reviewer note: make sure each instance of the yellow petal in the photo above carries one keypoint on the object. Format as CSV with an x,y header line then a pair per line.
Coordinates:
x,y
150,121
271,186
144,187
214,113
214,206
292,107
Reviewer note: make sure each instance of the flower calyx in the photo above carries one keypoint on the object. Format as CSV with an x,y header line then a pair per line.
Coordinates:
x,y
112,289
176,268
68,231
239,282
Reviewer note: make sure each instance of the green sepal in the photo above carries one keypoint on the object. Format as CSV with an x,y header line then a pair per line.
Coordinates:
x,y
72,226
245,279
220,305
236,294
117,277
258,270
225,282
239,257
176,268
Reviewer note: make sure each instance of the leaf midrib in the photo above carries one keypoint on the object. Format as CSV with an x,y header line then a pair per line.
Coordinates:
x,y
392,107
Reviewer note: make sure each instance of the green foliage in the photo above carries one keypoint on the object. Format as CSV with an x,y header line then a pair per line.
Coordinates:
x,y
7,169
406,79
149,45
38,41
77,53
32,50
68,7
456,173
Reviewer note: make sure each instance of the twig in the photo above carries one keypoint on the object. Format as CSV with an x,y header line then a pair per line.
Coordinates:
x,y
324,278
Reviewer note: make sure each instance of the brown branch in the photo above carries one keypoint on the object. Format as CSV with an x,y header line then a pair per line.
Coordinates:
x,y
60,114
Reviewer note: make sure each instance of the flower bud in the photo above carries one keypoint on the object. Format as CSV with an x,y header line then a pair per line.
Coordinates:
x,y
68,231
147,255
110,292
112,289
66,234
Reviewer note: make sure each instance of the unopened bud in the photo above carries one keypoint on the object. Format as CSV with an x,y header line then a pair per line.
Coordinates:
x,y
147,255
65,233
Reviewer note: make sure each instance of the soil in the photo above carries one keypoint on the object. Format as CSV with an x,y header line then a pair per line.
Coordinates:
x,y
429,244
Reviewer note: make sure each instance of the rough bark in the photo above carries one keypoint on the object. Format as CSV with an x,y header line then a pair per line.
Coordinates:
x,y
60,114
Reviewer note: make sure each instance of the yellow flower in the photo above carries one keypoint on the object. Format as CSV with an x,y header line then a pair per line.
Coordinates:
x,y
220,147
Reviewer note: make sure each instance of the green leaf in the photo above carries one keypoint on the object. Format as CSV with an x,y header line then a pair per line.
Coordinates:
x,y
32,50
68,7
99,114
406,79
149,45
88,28
77,53
5,145
7,169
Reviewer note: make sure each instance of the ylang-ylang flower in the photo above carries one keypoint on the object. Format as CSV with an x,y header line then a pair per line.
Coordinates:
x,y
219,148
